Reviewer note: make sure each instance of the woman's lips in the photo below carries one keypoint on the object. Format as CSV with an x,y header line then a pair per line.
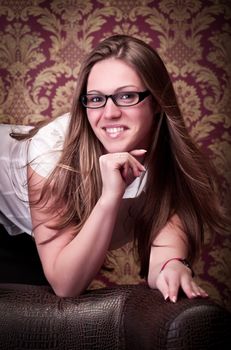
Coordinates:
x,y
114,131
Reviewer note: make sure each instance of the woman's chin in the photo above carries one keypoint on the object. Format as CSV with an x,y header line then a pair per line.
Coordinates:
x,y
116,149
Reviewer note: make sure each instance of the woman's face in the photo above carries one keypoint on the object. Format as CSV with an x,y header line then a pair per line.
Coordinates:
x,y
119,129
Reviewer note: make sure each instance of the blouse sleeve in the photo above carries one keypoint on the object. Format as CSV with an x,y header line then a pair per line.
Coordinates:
x,y
45,147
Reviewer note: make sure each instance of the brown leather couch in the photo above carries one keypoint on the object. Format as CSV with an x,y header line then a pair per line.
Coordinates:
x,y
123,317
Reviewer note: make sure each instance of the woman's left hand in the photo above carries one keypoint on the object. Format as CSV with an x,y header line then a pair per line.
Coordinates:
x,y
174,276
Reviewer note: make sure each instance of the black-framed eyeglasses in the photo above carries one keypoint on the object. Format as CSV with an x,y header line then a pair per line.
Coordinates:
x,y
121,99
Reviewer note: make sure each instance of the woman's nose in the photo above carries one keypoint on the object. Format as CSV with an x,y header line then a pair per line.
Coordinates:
x,y
111,110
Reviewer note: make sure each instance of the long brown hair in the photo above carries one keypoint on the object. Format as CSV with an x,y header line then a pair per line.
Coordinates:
x,y
179,177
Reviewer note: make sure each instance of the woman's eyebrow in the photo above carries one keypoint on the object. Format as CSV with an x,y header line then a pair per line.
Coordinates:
x,y
126,87
116,90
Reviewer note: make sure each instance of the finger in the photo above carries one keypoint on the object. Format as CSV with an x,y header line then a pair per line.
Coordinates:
x,y
197,290
138,152
162,285
191,289
187,287
203,293
123,161
137,167
173,286
129,166
127,162
128,175
125,170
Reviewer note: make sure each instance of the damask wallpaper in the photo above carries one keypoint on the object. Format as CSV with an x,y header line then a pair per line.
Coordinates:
x,y
42,44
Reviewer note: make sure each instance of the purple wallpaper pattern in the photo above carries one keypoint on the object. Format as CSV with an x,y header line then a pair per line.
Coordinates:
x,y
42,44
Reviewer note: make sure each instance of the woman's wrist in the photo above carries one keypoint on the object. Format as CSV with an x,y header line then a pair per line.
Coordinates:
x,y
109,201
182,260
111,197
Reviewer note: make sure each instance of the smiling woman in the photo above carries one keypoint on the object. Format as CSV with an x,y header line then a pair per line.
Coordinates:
x,y
120,167
131,127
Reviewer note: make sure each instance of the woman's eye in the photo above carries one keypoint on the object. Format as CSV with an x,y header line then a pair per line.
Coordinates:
x,y
127,96
96,99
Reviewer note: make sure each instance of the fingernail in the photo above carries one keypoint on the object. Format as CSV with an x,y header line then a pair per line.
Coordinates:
x,y
173,299
166,297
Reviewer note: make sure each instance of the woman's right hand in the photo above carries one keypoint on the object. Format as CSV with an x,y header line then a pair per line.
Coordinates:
x,y
118,170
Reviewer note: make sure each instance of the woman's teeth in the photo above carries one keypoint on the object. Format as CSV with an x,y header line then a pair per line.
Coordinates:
x,y
114,130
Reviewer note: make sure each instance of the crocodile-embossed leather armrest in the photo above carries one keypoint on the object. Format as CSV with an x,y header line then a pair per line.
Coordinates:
x,y
124,317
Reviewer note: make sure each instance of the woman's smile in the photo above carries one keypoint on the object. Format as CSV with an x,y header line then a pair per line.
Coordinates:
x,y
115,131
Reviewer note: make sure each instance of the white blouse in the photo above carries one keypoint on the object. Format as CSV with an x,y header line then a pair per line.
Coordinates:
x,y
42,151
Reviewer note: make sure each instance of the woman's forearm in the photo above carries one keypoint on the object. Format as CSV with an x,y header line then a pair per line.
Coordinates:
x,y
170,243
70,262
78,262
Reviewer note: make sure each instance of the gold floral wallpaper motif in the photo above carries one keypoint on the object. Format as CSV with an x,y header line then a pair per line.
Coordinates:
x,y
42,44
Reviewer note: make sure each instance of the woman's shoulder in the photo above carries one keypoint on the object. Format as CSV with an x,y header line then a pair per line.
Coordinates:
x,y
46,145
52,135
56,127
